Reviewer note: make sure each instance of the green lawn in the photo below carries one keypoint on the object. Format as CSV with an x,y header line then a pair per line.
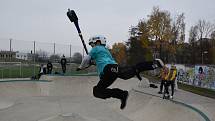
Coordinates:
x,y
16,73
197,90
27,71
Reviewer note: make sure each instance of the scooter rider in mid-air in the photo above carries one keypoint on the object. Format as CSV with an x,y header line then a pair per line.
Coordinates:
x,y
109,70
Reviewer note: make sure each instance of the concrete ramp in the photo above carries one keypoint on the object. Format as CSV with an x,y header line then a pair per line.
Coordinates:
x,y
71,99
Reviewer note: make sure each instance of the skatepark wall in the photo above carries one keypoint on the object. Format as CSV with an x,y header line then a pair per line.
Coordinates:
x,y
196,75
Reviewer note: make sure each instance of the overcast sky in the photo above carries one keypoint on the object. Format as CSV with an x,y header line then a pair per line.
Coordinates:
x,y
46,20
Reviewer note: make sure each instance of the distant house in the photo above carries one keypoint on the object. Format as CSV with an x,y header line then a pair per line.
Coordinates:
x,y
30,56
22,56
7,55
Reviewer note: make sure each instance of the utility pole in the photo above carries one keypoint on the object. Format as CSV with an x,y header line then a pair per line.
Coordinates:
x,y
34,58
10,45
10,55
70,54
54,48
54,52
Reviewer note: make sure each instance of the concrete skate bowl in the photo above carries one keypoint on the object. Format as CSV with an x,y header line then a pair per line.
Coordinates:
x,y
70,98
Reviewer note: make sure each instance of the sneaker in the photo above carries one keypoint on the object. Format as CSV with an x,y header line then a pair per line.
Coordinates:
x,y
171,97
124,100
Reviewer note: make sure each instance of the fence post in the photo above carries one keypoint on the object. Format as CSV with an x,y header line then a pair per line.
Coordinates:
x,y
70,54
10,50
34,58
54,53
54,48
20,72
10,45
2,73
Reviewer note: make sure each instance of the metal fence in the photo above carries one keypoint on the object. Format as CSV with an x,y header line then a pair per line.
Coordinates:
x,y
21,58
27,70
43,49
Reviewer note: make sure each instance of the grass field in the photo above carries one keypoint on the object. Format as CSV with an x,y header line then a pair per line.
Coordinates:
x,y
17,73
197,90
27,70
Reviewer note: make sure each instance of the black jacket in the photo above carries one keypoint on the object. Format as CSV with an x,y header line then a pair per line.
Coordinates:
x,y
63,61
49,66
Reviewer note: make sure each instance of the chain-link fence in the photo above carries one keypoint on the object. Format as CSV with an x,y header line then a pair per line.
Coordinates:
x,y
21,58
43,49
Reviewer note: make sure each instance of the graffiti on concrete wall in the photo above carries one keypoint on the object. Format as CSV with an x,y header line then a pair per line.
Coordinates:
x,y
200,75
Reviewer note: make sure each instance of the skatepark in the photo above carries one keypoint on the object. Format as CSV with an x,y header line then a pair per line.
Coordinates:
x,y
70,98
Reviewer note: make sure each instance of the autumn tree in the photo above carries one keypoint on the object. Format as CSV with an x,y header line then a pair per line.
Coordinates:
x,y
136,52
144,40
119,53
159,25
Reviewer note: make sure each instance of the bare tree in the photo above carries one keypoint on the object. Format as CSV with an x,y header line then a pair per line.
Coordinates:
x,y
213,35
42,55
178,30
193,33
54,58
77,57
178,35
205,29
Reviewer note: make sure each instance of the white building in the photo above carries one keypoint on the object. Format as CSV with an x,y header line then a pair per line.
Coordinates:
x,y
22,56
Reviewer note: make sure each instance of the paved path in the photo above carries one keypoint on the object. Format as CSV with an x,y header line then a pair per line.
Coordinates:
x,y
70,98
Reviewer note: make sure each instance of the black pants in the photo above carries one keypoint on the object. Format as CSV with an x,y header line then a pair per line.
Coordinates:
x,y
39,75
162,85
111,73
172,85
49,70
64,68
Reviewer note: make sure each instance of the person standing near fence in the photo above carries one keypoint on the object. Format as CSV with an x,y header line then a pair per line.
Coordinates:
x,y
49,67
163,75
42,71
63,64
171,79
